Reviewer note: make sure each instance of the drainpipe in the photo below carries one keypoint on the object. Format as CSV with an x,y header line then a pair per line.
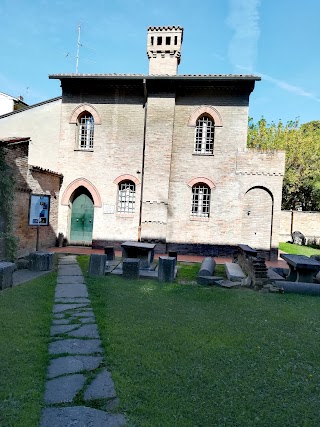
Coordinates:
x,y
145,106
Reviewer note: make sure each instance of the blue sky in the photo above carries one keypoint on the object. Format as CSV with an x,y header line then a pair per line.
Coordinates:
x,y
278,40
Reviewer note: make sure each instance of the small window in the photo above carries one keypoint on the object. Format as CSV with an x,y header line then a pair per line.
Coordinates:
x,y
175,40
200,200
86,131
168,41
126,197
159,41
204,135
152,39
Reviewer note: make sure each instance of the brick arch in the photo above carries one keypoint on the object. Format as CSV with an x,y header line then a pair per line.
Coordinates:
x,y
81,182
85,107
261,187
126,178
199,180
205,109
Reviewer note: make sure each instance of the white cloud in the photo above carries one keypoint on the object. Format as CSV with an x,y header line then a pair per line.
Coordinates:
x,y
243,19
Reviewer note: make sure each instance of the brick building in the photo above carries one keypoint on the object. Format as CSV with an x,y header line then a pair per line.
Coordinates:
x,y
159,157
28,179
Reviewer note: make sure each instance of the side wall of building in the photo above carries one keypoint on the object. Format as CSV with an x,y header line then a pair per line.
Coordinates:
x,y
308,223
42,125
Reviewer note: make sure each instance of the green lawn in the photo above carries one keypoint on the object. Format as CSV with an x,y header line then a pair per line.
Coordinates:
x,y
25,319
184,355
289,248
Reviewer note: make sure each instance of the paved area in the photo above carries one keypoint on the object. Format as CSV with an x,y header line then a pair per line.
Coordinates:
x,y
77,377
24,275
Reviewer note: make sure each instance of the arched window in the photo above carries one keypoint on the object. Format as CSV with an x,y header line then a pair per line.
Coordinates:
x,y
204,135
200,200
86,130
126,196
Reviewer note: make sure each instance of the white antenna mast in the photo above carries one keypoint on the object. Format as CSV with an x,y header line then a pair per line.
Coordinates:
x,y
78,48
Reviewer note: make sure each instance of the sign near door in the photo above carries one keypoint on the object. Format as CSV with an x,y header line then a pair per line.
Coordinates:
x,y
39,208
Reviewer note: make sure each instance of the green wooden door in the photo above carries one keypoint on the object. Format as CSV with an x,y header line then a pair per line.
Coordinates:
x,y
81,220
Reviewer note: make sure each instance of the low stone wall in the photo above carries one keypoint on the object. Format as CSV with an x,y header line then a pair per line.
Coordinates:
x,y
308,223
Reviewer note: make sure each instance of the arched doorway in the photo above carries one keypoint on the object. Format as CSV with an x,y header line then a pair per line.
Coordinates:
x,y
82,213
257,218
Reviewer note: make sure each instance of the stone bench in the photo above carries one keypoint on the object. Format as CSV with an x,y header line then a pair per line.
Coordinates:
x,y
234,272
41,261
6,272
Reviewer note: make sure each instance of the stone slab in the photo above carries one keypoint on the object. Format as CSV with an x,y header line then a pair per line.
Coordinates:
x,y
64,389
166,269
61,321
75,346
273,275
228,284
70,270
101,387
79,416
208,280
59,308
6,274
72,364
75,290
234,272
90,319
68,280
85,331
97,265
61,329
87,313
72,300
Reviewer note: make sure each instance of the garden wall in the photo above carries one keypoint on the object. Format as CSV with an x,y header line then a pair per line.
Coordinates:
x,y
308,223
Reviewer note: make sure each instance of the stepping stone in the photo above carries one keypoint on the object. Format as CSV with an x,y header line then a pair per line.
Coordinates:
x,y
102,387
62,329
58,308
72,300
75,346
69,270
63,389
61,322
68,280
79,416
58,316
86,331
76,290
87,313
90,319
72,365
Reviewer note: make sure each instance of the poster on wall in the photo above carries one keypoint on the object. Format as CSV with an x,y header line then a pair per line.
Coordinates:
x,y
39,210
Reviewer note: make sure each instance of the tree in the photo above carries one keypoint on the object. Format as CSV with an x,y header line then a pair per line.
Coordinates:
x,y
301,182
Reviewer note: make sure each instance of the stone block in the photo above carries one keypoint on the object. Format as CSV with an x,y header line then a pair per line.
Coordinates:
x,y
173,254
234,272
40,261
130,268
207,267
166,270
208,280
109,252
6,271
97,265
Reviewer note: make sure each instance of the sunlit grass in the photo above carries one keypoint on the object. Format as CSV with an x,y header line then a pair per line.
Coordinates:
x,y
290,248
186,355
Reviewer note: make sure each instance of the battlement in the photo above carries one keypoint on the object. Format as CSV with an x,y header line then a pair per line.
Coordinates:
x,y
260,162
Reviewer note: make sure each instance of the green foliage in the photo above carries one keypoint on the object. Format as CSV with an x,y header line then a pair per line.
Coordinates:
x,y
7,183
301,182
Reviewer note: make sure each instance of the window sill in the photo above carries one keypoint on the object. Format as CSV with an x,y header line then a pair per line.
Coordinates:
x,y
203,154
199,218
84,149
125,215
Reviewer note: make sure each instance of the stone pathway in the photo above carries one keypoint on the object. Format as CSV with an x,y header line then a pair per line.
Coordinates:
x,y
77,380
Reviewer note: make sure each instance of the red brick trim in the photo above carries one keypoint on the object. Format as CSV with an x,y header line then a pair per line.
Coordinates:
x,y
211,111
199,180
84,183
126,178
85,107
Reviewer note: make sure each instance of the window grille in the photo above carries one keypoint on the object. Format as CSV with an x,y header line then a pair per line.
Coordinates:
x,y
200,200
204,136
86,130
126,197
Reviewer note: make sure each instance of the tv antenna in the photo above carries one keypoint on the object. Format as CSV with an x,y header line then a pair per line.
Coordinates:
x,y
78,49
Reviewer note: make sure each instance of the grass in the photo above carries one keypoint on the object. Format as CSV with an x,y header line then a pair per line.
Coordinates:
x,y
290,248
25,319
184,355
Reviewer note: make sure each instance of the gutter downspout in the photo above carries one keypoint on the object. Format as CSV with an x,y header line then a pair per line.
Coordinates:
x,y
145,106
